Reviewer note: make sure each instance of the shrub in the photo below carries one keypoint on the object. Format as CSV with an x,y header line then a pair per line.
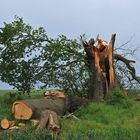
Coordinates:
x,y
118,97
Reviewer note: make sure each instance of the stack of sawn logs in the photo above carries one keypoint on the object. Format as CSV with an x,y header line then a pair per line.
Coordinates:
x,y
43,112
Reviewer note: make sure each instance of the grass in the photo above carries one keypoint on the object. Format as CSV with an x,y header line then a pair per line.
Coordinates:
x,y
104,122
97,121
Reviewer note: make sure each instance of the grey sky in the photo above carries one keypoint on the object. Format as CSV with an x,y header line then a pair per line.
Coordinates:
x,y
75,17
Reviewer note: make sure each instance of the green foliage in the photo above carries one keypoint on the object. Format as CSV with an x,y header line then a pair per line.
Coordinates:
x,y
28,56
20,50
118,97
64,66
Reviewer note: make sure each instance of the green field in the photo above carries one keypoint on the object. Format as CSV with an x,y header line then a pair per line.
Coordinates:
x,y
98,121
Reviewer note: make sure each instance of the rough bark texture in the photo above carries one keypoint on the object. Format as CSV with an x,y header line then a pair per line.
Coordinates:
x,y
50,120
47,110
31,108
25,109
100,61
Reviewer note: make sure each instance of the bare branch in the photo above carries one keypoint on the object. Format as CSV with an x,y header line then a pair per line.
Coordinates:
x,y
128,64
126,42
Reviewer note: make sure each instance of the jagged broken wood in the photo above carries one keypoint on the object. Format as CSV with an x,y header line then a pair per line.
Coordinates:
x,y
100,62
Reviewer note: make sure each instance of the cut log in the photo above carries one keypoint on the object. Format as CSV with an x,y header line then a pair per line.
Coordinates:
x,y
32,108
6,124
47,110
21,110
49,119
26,109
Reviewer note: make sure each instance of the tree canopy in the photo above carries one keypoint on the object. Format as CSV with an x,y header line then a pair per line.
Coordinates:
x,y
28,56
20,50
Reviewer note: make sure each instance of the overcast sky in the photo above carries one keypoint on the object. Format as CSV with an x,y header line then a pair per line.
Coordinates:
x,y
75,17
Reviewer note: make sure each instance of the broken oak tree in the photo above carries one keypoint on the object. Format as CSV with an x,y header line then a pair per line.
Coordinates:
x,y
100,58
100,62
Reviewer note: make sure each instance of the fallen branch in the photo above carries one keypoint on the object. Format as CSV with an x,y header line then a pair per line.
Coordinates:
x,y
71,115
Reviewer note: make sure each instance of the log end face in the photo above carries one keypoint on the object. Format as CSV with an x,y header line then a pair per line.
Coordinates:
x,y
21,111
5,124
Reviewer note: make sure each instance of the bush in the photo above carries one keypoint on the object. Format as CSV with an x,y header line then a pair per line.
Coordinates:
x,y
118,97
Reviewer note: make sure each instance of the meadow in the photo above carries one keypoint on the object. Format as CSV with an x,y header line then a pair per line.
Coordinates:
x,y
115,119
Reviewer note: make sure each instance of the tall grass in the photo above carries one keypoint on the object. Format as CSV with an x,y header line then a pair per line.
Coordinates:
x,y
101,121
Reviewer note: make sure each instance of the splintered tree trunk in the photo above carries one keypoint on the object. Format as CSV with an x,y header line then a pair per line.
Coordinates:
x,y
111,59
100,62
95,75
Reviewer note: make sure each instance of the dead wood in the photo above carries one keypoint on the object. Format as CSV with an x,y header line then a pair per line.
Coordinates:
x,y
6,124
46,111
26,109
49,119
100,62
71,115
128,63
34,122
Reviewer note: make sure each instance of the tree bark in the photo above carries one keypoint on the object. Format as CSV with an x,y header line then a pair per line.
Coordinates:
x,y
100,62
47,110
31,108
